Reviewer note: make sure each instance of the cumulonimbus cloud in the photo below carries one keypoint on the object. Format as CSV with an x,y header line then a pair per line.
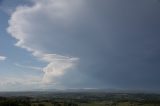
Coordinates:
x,y
31,25
115,41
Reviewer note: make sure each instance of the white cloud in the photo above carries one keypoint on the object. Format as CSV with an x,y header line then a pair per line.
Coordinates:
x,y
55,69
14,80
57,65
2,58
28,67
35,25
28,82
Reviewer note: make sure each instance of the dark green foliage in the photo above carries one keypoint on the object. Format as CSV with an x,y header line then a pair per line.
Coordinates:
x,y
84,99
41,105
14,102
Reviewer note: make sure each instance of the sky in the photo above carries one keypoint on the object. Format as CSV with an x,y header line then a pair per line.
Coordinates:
x,y
63,44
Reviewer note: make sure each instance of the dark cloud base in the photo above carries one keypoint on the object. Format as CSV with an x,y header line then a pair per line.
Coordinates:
x,y
119,47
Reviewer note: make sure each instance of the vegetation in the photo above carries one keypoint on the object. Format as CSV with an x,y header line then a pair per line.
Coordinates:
x,y
82,99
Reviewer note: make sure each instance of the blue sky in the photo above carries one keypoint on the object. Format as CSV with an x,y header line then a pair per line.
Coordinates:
x,y
47,44
13,55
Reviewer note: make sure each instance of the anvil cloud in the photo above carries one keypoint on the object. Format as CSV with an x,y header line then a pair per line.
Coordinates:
x,y
91,43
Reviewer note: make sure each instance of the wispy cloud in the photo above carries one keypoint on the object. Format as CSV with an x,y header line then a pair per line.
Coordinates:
x,y
2,58
29,67
14,80
20,83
